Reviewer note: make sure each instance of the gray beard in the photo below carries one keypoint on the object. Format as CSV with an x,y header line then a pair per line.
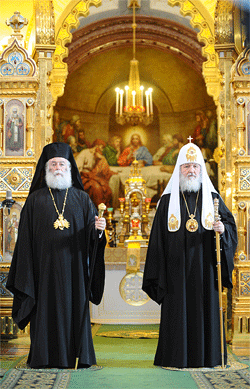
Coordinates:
x,y
59,182
190,185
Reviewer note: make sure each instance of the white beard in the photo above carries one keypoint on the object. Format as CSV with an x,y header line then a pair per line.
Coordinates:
x,y
190,185
58,180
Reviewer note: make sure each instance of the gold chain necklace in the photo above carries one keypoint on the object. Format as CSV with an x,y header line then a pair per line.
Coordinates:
x,y
192,224
61,222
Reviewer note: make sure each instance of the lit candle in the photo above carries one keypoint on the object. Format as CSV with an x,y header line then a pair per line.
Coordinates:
x,y
117,100
150,100
142,88
126,95
147,102
133,94
121,101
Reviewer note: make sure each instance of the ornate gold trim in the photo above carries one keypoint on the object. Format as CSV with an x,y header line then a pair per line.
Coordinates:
x,y
30,68
64,36
201,19
45,22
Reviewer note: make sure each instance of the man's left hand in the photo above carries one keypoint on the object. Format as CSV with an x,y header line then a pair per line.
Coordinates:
x,y
100,223
219,227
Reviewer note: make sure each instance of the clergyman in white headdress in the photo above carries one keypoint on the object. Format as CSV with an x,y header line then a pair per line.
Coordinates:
x,y
180,271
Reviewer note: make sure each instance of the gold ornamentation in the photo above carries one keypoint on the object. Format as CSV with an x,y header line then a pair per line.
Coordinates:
x,y
191,154
61,222
244,182
209,221
133,257
244,283
131,289
224,29
242,68
17,22
14,179
15,61
202,17
217,155
192,224
45,22
173,222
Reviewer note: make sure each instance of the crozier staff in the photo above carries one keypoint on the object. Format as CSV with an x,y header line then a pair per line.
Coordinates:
x,y
180,269
49,273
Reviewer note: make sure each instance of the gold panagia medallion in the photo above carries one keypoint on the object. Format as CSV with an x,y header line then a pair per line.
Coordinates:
x,y
61,223
192,224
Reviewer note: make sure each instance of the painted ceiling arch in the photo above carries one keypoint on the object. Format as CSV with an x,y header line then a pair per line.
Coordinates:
x,y
200,18
113,33
62,8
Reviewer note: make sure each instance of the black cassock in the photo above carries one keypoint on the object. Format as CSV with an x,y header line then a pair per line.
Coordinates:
x,y
49,277
181,275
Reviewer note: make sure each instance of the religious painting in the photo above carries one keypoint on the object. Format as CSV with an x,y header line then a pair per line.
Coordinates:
x,y
10,230
205,137
104,158
14,128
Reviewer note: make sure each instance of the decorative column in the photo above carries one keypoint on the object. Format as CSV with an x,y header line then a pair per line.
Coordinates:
x,y
1,127
226,54
241,125
30,124
44,50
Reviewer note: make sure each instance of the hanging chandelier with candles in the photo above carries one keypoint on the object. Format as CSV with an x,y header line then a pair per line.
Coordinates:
x,y
134,106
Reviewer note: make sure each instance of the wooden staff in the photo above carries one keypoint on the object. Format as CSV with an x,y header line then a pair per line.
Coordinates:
x,y
101,209
217,235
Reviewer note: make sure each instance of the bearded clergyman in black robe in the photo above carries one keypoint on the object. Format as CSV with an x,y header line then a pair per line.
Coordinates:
x,y
50,269
180,270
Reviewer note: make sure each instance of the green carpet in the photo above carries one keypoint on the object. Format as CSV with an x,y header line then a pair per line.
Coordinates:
x,y
136,378
125,363
128,364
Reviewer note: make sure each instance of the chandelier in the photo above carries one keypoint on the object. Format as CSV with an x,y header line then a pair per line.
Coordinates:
x,y
133,106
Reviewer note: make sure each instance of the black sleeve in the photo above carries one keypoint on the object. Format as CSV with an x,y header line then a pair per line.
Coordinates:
x,y
154,278
96,250
21,275
98,280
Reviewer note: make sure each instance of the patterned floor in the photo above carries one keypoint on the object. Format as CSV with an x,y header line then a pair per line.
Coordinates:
x,y
14,354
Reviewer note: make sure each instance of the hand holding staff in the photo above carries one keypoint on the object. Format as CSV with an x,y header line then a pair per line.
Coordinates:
x,y
217,234
100,221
